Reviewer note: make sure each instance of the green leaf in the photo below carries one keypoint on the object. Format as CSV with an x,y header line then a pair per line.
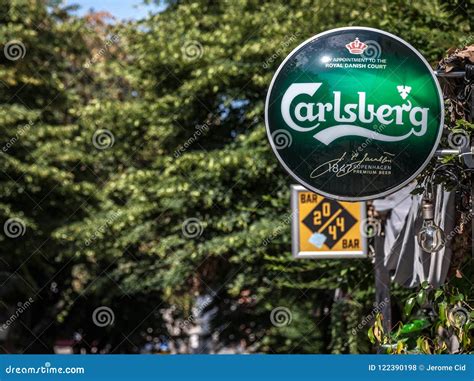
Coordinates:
x,y
399,347
410,303
425,285
442,311
414,326
370,334
421,297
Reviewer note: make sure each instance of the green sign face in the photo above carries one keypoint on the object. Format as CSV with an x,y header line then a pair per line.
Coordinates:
x,y
354,113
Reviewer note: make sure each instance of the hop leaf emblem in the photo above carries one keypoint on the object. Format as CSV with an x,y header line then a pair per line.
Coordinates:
x,y
403,91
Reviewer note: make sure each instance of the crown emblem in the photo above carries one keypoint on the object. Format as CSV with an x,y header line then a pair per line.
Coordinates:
x,y
356,47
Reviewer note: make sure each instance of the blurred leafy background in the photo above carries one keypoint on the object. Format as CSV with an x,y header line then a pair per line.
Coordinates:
x,y
117,133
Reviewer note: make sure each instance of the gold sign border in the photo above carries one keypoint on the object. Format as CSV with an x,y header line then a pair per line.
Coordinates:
x,y
295,191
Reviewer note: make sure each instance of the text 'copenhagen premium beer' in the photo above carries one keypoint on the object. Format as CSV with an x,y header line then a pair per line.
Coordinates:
x,y
354,113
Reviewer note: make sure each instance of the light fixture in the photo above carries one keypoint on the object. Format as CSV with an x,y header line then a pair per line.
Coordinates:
x,y
431,237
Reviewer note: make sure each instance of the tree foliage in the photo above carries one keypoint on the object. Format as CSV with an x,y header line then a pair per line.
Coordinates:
x,y
146,178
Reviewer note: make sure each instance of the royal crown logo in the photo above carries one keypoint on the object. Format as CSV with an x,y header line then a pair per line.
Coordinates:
x,y
356,47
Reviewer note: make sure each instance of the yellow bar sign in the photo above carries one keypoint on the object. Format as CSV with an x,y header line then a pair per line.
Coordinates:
x,y
326,228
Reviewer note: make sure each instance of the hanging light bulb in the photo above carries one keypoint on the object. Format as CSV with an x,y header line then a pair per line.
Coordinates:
x,y
431,237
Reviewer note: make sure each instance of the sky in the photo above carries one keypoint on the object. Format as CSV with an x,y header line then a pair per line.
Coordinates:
x,y
121,9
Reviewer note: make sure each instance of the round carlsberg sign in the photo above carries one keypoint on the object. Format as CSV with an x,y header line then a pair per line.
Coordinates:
x,y
354,113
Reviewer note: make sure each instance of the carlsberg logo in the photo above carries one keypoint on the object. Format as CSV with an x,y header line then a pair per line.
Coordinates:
x,y
351,117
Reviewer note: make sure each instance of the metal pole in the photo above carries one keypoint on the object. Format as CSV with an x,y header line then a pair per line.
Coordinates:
x,y
468,75
472,215
382,282
451,74
469,163
446,152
